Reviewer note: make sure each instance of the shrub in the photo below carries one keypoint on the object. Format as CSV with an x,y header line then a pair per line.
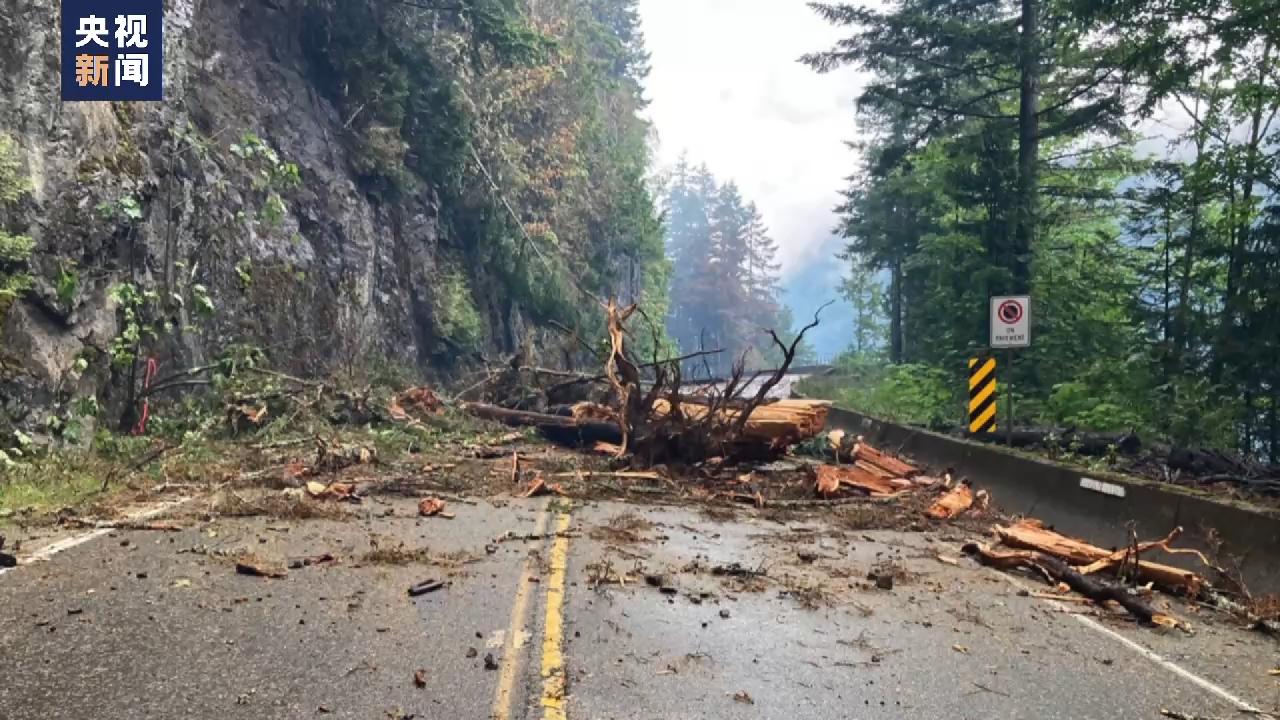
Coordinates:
x,y
457,316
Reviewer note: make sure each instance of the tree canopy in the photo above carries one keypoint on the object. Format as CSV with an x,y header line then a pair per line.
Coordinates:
x,y
1002,153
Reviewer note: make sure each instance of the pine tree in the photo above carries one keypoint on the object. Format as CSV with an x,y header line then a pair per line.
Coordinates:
x,y
725,284
866,295
762,265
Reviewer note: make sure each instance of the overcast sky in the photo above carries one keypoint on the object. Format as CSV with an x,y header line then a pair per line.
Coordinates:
x,y
726,88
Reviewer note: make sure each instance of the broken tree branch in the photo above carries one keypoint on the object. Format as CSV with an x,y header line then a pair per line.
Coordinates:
x,y
789,354
1059,571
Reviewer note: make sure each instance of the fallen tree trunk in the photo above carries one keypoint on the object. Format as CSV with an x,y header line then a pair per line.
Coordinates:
x,y
1209,462
559,428
777,424
1032,535
1056,570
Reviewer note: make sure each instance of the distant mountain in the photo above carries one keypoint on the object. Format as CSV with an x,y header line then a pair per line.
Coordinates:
x,y
811,285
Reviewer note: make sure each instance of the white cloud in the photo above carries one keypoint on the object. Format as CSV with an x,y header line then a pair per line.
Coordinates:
x,y
727,88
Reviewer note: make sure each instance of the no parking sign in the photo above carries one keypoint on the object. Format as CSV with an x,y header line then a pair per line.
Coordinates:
x,y
1011,321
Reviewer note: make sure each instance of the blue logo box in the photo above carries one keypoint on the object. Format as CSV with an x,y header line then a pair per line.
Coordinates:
x,y
112,50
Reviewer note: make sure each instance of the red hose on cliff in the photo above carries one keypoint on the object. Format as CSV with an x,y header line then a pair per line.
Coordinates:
x,y
141,427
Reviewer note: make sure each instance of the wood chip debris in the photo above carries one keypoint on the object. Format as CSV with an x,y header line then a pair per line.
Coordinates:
x,y
424,587
332,491
958,500
433,506
253,565
539,487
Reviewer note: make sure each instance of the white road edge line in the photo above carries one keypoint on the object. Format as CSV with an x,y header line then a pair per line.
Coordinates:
x,y
1147,653
54,548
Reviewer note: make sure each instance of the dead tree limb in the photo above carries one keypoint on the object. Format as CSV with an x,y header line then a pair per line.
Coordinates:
x,y
623,375
1059,571
655,364
789,354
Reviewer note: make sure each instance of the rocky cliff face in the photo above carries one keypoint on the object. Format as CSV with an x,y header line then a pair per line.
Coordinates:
x,y
228,216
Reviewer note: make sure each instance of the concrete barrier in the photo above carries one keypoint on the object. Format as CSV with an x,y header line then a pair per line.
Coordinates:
x,y
1096,506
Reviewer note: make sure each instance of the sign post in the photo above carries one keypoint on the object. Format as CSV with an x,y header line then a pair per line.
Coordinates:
x,y
1010,329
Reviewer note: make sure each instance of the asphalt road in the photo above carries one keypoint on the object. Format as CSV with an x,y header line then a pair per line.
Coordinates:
x,y
538,624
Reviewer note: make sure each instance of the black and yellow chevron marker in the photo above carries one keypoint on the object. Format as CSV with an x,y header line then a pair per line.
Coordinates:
x,y
982,395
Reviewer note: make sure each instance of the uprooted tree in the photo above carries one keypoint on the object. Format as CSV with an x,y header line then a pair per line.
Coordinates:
x,y
660,419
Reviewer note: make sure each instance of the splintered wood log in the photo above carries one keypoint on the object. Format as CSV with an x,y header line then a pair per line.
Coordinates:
x,y
1032,535
873,469
888,463
835,441
623,375
833,477
1059,571
828,484
952,504
778,424
591,411
565,430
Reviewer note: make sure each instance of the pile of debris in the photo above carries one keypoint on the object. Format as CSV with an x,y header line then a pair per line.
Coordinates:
x,y
769,430
655,418
1075,565
882,476
713,441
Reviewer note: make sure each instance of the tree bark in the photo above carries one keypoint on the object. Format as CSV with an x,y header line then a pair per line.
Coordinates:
x,y
1028,145
1273,427
565,430
895,314
1167,318
1059,571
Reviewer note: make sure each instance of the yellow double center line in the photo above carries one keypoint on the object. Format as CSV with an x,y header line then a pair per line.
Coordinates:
x,y
552,664
553,685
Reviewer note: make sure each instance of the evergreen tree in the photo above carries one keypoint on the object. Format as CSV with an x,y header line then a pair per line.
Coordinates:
x,y
724,289
994,165
866,295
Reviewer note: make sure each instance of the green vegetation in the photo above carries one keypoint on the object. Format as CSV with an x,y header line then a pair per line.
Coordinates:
x,y
519,124
201,440
48,485
1002,155
458,318
15,249
525,123
915,394
269,175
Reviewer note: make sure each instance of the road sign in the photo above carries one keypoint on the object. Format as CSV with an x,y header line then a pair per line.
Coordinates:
x,y
982,395
1011,321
